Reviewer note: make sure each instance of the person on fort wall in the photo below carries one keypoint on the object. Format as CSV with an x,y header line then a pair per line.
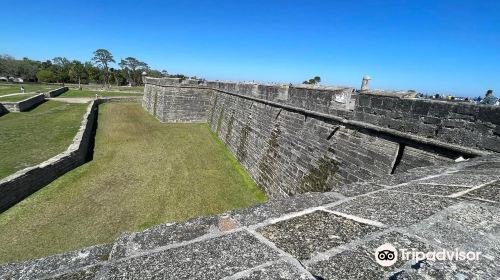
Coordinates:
x,y
489,99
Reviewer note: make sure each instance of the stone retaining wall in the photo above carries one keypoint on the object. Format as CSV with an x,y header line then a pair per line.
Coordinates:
x,y
56,92
23,183
295,140
25,104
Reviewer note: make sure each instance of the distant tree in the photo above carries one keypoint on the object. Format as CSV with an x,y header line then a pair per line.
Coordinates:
x,y
103,57
27,69
46,76
312,81
77,71
134,68
164,73
92,72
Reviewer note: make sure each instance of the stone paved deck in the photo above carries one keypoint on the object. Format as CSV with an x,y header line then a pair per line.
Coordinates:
x,y
313,236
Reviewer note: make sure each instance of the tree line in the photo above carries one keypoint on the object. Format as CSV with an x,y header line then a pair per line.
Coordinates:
x,y
97,70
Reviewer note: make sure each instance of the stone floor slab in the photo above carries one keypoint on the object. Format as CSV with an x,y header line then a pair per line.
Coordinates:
x,y
55,264
430,189
319,231
489,193
162,235
457,179
466,226
359,262
280,270
356,189
212,259
394,208
278,207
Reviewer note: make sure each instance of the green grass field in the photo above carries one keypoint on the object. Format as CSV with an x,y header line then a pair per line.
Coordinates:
x,y
29,138
8,89
16,98
73,93
143,173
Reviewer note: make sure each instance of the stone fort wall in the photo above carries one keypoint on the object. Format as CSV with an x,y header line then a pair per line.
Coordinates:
x,y
296,139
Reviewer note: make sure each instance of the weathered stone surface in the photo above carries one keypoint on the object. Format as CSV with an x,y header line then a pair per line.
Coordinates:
x,y
278,207
320,231
489,192
485,269
467,226
86,273
429,189
359,262
280,270
213,259
457,179
162,235
394,208
55,264
356,188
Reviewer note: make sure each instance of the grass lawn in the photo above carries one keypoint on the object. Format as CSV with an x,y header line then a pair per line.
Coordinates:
x,y
29,138
16,98
87,93
143,173
8,89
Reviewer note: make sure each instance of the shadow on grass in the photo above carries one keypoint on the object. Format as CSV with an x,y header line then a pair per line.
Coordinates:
x,y
90,150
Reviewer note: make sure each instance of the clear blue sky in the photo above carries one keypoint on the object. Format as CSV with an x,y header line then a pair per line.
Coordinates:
x,y
444,46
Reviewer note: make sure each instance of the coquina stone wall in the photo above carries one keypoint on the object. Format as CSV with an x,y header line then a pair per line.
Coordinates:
x,y
25,104
56,92
23,183
297,139
464,124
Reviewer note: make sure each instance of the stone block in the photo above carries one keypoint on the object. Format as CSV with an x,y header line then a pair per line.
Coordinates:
x,y
457,179
213,259
430,189
306,235
56,264
394,208
162,235
359,262
280,270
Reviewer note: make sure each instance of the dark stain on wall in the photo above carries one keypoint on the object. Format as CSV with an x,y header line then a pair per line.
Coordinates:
x,y
316,179
241,153
270,158
212,113
219,121
229,128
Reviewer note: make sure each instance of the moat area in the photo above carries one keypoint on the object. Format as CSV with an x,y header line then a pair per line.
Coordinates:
x,y
143,173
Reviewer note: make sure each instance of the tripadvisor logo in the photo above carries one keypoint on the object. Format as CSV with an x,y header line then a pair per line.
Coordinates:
x,y
387,255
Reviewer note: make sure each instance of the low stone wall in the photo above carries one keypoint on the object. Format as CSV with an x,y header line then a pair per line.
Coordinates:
x,y
56,92
24,105
23,183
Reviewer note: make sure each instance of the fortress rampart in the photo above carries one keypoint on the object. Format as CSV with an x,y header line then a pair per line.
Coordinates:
x,y
294,139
